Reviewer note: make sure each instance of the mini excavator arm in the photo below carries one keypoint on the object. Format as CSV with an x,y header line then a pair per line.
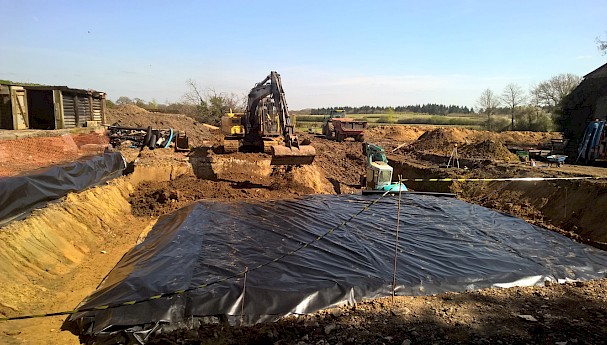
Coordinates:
x,y
374,153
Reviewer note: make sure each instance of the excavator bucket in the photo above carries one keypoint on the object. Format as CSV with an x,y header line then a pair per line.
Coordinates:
x,y
283,155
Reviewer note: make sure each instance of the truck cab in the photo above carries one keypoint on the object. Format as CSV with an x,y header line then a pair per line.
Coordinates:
x,y
336,126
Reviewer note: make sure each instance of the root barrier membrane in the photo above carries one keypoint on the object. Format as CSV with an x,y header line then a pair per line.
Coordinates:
x,y
444,245
20,194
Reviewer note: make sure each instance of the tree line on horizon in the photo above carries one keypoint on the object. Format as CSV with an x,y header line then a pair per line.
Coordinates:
x,y
429,108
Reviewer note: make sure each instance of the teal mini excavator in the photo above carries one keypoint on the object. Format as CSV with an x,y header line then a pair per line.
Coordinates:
x,y
378,178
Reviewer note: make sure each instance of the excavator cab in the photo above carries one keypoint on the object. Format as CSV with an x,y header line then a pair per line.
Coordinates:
x,y
378,178
379,175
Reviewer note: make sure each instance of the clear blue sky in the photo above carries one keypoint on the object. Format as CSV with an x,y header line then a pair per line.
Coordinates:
x,y
329,53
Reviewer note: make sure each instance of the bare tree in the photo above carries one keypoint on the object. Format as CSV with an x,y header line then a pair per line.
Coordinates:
x,y
194,94
488,101
535,102
551,92
210,105
513,96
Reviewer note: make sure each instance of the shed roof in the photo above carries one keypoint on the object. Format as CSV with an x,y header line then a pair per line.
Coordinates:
x,y
600,72
57,87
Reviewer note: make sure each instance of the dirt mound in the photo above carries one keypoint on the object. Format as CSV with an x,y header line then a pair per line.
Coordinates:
x,y
398,133
158,198
489,150
442,140
127,109
336,169
134,116
478,144
531,139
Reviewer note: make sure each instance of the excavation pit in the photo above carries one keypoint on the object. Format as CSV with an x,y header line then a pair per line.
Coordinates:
x,y
310,253
56,257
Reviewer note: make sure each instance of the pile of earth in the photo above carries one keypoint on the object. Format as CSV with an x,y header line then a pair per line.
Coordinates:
x,y
529,139
487,149
402,133
336,169
442,141
478,144
159,198
134,116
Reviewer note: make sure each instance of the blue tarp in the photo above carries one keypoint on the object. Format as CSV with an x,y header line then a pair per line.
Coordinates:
x,y
588,148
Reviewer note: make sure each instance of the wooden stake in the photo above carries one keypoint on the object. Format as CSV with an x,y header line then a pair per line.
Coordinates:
x,y
399,146
396,241
244,290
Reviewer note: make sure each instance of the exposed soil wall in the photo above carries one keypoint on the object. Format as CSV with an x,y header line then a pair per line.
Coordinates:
x,y
410,170
55,239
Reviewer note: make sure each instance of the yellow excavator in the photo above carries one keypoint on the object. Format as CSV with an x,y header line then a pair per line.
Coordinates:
x,y
266,126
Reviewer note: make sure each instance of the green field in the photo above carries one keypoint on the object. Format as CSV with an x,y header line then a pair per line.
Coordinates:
x,y
471,121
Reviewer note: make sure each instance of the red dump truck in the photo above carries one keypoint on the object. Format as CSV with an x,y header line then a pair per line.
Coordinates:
x,y
336,126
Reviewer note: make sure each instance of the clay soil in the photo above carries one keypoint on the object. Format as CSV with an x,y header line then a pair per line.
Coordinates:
x,y
572,313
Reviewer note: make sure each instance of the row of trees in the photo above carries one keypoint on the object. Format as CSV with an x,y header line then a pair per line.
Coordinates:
x,y
430,108
537,109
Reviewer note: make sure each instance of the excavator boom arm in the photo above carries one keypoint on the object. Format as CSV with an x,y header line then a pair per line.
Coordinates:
x,y
269,96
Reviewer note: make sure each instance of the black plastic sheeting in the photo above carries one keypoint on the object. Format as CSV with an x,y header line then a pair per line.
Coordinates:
x,y
444,245
19,195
